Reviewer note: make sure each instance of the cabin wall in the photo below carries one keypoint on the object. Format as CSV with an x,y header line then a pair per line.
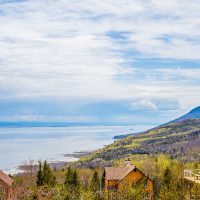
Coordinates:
x,y
110,183
130,179
7,194
149,188
110,186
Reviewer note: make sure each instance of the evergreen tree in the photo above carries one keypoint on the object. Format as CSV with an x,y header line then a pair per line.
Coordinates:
x,y
168,177
69,177
75,180
103,180
48,176
72,184
95,182
169,190
39,181
45,175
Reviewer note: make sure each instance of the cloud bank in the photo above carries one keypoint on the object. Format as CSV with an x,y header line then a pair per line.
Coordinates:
x,y
141,54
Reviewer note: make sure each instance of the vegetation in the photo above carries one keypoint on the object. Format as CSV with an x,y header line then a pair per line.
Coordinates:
x,y
72,184
84,183
179,140
161,153
45,175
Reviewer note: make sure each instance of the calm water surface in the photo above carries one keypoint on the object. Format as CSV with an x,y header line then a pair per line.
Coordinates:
x,y
19,145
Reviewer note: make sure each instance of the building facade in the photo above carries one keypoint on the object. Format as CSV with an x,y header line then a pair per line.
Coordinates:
x,y
116,178
5,186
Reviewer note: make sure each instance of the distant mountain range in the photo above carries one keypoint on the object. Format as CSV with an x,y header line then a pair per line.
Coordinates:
x,y
18,124
179,138
38,124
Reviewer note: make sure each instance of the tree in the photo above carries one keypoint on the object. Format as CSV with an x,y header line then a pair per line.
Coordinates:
x,y
168,177
45,175
48,176
125,193
94,185
69,177
72,184
75,180
103,180
39,181
169,186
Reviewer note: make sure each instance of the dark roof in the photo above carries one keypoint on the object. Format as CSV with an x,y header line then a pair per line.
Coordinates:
x,y
5,178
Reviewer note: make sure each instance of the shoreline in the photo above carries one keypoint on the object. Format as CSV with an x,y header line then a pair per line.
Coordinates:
x,y
56,165
96,138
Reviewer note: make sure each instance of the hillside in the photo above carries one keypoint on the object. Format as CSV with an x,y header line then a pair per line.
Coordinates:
x,y
180,140
193,114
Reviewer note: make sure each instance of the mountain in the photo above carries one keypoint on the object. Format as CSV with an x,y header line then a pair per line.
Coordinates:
x,y
179,140
193,114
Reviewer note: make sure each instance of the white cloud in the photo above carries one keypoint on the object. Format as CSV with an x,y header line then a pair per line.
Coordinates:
x,y
143,105
61,49
188,74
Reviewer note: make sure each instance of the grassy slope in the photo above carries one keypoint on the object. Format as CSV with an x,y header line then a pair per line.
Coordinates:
x,y
179,140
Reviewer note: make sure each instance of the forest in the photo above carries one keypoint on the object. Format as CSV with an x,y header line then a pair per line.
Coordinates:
x,y
179,140
74,183
161,153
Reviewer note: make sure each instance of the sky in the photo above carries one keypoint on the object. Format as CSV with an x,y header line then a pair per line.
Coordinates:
x,y
122,61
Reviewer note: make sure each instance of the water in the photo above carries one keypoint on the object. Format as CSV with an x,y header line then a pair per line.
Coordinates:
x,y
19,145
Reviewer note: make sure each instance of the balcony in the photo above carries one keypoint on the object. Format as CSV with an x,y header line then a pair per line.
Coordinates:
x,y
192,175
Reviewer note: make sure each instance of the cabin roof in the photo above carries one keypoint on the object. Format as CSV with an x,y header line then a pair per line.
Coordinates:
x,y
117,173
5,178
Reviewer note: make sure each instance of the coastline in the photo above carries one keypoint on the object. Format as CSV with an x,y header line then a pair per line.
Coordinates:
x,y
56,165
74,143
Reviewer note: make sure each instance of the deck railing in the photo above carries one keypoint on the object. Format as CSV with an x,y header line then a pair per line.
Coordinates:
x,y
192,175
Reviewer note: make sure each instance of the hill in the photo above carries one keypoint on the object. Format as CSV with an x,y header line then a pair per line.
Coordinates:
x,y
180,140
193,114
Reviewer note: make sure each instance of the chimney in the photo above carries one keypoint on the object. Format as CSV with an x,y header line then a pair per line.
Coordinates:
x,y
126,162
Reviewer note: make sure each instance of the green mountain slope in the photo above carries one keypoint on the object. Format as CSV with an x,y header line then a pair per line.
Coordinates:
x,y
180,140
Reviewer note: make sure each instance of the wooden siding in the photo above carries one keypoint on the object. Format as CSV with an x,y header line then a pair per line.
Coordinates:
x,y
5,191
132,178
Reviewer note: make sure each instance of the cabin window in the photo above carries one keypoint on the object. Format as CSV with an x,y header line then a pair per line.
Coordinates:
x,y
112,188
2,189
146,196
146,183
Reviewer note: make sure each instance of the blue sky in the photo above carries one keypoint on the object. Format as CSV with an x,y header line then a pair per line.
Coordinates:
x,y
99,61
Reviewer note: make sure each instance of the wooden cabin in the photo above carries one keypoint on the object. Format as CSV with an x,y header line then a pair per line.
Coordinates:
x,y
5,186
117,177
